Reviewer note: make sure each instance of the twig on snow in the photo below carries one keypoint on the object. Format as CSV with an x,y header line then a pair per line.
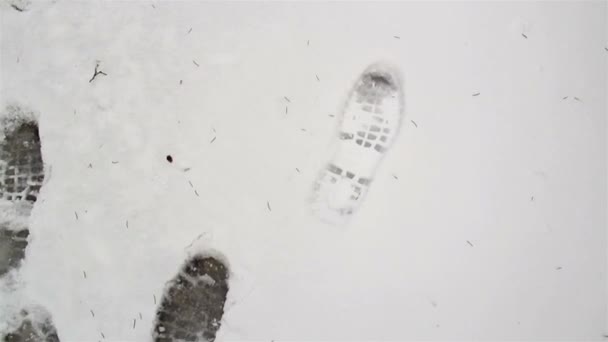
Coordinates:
x,y
97,72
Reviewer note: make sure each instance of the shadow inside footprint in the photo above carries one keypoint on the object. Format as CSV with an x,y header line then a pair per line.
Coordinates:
x,y
193,305
21,177
12,248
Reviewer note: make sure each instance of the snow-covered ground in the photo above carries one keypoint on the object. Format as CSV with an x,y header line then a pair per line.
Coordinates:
x,y
485,220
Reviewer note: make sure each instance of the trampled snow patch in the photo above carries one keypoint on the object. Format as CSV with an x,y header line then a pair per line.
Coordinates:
x,y
206,83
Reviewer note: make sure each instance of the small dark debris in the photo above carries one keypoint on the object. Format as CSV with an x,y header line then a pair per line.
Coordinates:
x,y
154,8
189,182
190,30
565,97
193,61
127,224
286,110
84,273
287,99
531,198
134,321
212,140
476,94
196,193
469,242
303,129
523,35
102,335
577,99
76,214
394,176
558,268
97,72
17,8
396,37
181,82
268,205
140,317
92,313
414,122
331,115
298,170
317,78
307,42
114,162
606,48
169,158
154,298
90,166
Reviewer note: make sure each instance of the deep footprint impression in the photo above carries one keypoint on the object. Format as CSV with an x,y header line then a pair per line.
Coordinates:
x,y
21,177
370,122
193,305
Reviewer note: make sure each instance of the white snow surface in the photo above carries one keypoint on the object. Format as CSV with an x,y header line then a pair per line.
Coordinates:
x,y
486,221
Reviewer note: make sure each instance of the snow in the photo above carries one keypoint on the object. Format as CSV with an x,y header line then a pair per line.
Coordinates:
x,y
467,172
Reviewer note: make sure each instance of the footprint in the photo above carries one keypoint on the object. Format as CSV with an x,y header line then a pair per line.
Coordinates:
x,y
370,123
193,305
21,177
36,326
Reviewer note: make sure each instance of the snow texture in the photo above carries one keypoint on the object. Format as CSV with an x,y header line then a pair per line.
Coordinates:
x,y
486,219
